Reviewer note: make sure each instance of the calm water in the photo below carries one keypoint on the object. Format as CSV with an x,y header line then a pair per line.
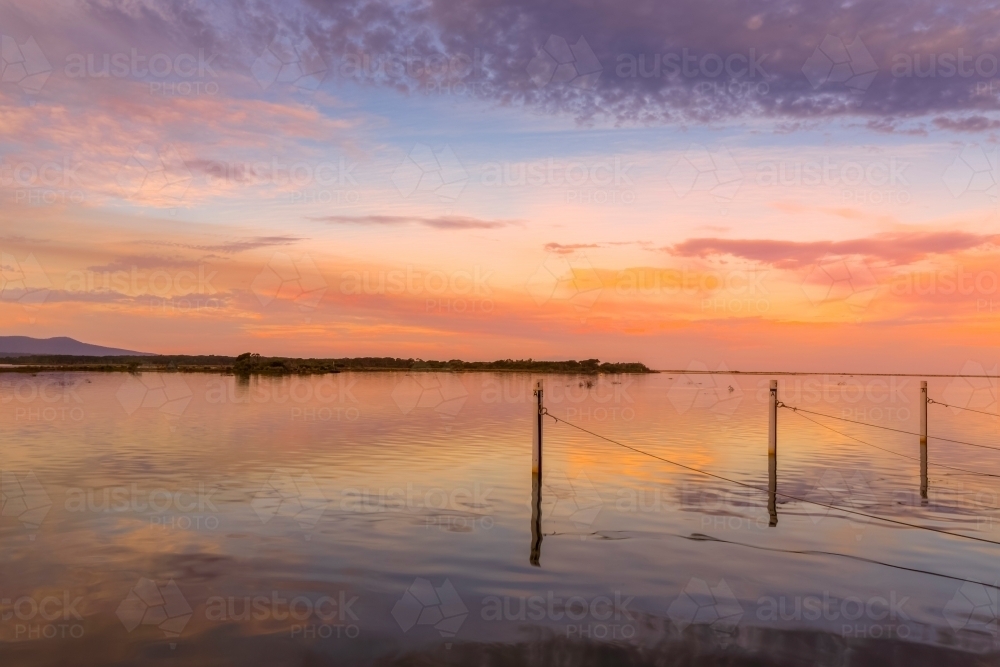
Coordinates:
x,y
386,518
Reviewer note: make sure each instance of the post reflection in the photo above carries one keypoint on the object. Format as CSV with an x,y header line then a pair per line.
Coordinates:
x,y
772,488
923,471
536,520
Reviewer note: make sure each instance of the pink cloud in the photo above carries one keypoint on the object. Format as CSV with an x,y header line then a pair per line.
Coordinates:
x,y
894,248
439,222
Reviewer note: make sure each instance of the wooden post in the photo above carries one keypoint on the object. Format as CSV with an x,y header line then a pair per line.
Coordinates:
x,y
536,442
772,421
772,454
536,479
923,440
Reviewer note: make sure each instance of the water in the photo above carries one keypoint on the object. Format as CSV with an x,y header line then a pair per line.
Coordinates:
x,y
383,518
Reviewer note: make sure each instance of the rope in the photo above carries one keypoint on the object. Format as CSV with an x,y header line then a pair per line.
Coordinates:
x,y
702,537
885,428
545,411
813,552
912,458
958,407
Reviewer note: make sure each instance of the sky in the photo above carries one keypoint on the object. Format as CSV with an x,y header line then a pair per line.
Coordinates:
x,y
755,186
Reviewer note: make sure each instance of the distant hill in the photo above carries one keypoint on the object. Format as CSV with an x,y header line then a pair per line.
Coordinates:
x,y
17,346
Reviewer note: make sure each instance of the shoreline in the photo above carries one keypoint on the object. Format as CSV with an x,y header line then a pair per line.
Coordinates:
x,y
228,370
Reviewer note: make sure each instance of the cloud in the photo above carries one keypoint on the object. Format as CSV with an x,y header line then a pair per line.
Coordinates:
x,y
566,249
440,222
18,240
102,294
895,126
141,262
893,248
639,50
967,124
234,246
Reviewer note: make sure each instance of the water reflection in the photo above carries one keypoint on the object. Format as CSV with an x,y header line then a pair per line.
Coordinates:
x,y
388,510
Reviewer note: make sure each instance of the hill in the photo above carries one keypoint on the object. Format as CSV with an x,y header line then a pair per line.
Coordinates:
x,y
18,346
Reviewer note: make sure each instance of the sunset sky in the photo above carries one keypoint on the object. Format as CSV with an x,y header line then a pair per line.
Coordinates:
x,y
783,186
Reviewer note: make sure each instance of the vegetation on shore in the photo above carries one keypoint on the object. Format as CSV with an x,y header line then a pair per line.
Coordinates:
x,y
255,364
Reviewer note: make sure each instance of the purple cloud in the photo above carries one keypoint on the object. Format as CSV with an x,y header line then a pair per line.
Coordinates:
x,y
645,63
